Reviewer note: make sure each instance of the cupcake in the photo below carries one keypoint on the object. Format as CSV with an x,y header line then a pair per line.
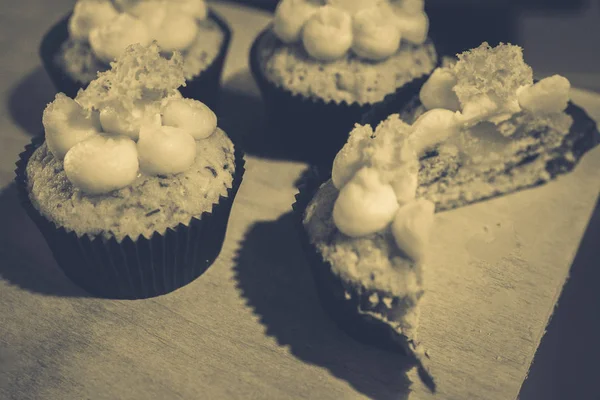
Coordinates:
x,y
88,39
321,64
133,185
481,129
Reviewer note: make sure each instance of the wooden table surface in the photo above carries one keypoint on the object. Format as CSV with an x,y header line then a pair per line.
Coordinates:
x,y
251,327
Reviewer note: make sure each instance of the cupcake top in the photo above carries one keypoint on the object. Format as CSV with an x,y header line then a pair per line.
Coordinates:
x,y
110,26
130,156
131,120
376,172
370,29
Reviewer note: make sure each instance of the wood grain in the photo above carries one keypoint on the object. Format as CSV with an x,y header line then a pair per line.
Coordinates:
x,y
251,327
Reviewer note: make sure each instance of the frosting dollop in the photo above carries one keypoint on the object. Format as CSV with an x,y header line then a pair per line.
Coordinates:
x,y
550,95
411,227
108,41
371,29
327,34
376,35
289,18
67,123
101,164
170,26
365,204
113,129
165,150
88,15
192,116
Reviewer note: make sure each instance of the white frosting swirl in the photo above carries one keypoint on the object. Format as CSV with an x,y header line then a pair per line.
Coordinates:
x,y
290,17
414,27
165,150
411,227
549,95
364,205
433,127
110,40
376,35
192,116
327,35
90,14
101,164
66,123
168,24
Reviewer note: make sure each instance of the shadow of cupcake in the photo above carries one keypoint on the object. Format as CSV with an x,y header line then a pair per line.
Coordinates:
x,y
28,98
275,281
26,260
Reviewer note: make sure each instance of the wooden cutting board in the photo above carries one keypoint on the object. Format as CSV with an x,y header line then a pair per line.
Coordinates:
x,y
252,327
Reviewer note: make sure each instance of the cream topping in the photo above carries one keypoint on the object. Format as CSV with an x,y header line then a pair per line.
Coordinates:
x,y
485,87
164,150
67,123
101,164
108,41
90,14
376,34
192,116
170,26
374,200
327,35
171,23
113,130
289,18
371,29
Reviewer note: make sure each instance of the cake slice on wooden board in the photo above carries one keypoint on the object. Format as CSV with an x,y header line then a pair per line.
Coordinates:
x,y
481,130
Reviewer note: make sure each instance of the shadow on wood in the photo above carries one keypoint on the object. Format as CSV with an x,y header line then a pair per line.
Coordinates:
x,y
242,116
277,284
28,99
25,260
565,359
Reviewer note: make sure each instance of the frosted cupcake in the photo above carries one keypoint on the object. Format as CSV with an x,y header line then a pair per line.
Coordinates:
x,y
484,129
321,64
97,31
133,185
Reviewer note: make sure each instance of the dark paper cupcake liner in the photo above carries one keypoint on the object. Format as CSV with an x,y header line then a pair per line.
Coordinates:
x,y
310,129
582,137
205,87
140,268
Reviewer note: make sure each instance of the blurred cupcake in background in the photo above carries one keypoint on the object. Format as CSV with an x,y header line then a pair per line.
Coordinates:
x,y
87,40
321,64
133,184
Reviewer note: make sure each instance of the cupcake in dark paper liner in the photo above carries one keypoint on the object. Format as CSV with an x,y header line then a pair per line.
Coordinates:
x,y
85,41
321,64
133,184
484,129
